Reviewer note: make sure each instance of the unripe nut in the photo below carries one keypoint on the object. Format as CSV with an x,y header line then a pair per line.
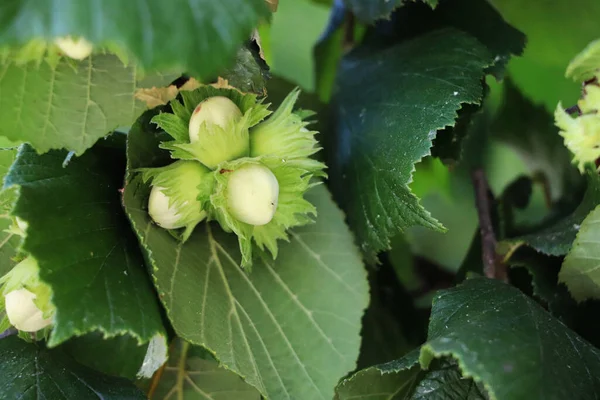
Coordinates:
x,y
158,207
218,110
77,49
22,312
252,194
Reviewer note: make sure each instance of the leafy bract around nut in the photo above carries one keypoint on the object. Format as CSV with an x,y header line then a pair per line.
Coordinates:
x,y
259,169
582,133
77,49
178,194
27,300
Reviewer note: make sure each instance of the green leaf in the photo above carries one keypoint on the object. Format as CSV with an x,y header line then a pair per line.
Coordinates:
x,y
554,296
530,131
586,64
294,30
407,92
190,375
9,242
118,356
29,371
70,107
393,380
249,74
540,73
403,379
557,238
580,269
199,36
291,327
83,243
391,325
505,340
371,10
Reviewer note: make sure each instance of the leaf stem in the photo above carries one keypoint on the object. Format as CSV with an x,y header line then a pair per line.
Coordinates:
x,y
493,266
181,368
349,26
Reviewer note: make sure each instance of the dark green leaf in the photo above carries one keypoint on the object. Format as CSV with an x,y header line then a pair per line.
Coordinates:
x,y
580,269
198,36
390,324
475,17
249,74
505,340
530,131
29,371
404,380
291,327
390,104
393,380
118,356
557,238
190,375
371,10
83,243
70,107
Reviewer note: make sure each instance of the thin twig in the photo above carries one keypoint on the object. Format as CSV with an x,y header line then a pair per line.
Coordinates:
x,y
493,267
349,26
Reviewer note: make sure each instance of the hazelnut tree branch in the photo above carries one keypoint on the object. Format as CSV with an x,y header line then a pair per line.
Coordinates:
x,y
493,266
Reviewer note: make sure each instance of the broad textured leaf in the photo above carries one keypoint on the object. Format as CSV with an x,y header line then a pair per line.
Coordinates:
x,y
389,105
586,64
393,380
505,340
83,243
291,327
191,375
581,268
29,371
199,36
540,73
9,242
118,356
371,10
557,238
530,131
69,107
403,380
555,296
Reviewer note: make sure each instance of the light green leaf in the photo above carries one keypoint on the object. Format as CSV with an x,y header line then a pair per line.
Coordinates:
x,y
198,36
80,236
407,92
556,32
581,267
586,64
29,371
505,340
190,374
9,242
291,327
70,107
